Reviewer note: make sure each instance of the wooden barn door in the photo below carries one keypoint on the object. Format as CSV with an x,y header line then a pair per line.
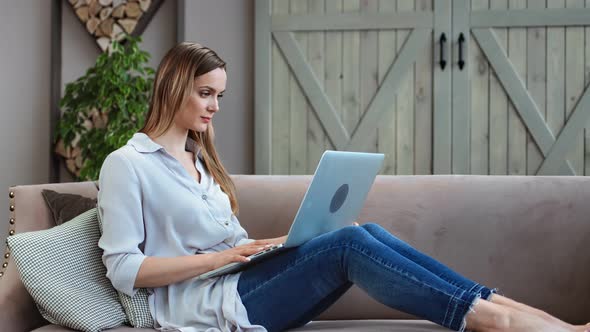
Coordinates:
x,y
521,102
366,75
354,75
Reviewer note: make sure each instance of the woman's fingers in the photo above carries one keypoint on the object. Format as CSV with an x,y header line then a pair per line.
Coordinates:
x,y
250,250
262,243
243,253
240,258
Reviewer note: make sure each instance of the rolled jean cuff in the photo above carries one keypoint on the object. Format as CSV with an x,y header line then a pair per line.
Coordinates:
x,y
486,293
459,307
478,288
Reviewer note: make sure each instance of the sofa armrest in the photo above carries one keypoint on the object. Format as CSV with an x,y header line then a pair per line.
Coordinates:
x,y
29,212
18,312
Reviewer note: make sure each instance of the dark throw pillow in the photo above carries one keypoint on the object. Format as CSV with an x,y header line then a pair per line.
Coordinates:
x,y
66,207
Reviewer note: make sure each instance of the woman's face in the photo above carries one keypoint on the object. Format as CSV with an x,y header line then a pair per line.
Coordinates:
x,y
203,102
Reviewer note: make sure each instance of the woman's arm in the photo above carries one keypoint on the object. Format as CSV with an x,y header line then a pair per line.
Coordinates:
x,y
162,271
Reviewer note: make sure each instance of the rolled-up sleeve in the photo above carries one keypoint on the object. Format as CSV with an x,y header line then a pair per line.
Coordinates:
x,y
120,209
243,241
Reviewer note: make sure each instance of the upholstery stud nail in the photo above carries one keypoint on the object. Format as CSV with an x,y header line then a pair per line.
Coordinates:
x,y
12,208
1,274
11,232
11,194
6,255
5,264
11,221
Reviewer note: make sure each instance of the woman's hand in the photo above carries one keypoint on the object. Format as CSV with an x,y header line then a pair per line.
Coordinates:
x,y
235,254
272,241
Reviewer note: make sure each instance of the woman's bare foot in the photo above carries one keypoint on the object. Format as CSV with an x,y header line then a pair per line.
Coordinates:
x,y
502,300
491,317
521,321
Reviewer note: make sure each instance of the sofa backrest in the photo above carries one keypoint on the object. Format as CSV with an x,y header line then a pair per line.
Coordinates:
x,y
526,235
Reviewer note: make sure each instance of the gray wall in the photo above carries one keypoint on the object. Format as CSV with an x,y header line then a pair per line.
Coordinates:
x,y
227,27
25,78
25,37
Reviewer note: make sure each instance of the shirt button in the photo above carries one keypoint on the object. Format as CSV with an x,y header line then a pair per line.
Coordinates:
x,y
226,223
204,197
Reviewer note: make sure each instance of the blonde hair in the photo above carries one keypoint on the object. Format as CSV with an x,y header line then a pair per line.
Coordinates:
x,y
173,85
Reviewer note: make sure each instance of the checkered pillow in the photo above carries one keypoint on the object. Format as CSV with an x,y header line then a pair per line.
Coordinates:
x,y
62,269
137,307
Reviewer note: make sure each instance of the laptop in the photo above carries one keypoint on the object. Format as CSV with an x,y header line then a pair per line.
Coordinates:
x,y
333,200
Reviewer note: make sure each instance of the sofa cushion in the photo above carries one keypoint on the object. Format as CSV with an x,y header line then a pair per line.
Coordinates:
x,y
64,206
372,325
325,326
62,269
57,328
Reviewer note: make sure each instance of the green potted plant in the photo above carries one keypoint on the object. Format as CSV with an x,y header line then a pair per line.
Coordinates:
x,y
104,108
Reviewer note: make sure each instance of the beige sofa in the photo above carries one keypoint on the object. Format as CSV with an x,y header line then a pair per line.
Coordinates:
x,y
528,236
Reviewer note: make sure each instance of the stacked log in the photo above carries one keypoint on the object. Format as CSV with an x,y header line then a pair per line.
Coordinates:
x,y
109,20
72,153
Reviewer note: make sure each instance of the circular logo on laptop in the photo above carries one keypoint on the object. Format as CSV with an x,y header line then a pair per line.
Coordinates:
x,y
339,198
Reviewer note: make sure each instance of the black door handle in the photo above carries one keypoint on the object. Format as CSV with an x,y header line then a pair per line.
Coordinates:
x,y
461,43
442,41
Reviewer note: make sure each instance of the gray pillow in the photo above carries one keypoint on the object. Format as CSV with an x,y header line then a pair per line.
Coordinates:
x,y
137,307
62,269
65,206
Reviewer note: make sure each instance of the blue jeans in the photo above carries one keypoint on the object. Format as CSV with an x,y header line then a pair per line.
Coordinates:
x,y
294,287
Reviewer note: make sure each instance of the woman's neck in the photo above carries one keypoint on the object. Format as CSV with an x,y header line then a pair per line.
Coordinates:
x,y
173,140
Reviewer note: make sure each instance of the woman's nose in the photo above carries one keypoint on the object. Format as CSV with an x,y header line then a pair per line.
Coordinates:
x,y
214,105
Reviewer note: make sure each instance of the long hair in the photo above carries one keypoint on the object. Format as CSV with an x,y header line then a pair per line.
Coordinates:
x,y
173,85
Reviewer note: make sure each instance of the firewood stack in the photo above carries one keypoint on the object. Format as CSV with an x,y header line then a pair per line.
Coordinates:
x,y
108,20
72,153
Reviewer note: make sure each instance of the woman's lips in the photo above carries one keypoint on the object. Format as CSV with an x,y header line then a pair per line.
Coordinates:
x,y
206,119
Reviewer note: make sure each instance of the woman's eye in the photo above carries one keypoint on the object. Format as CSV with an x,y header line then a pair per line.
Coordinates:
x,y
220,96
205,94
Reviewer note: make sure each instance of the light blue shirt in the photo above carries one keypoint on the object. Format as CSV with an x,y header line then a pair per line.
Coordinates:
x,y
151,206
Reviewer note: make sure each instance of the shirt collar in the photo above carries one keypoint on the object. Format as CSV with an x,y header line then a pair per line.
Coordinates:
x,y
144,144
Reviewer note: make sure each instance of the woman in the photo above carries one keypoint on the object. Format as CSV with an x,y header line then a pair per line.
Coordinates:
x,y
165,197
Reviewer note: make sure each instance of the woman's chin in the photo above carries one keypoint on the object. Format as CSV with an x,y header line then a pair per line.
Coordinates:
x,y
200,128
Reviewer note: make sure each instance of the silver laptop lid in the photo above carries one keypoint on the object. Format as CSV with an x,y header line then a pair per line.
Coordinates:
x,y
336,195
